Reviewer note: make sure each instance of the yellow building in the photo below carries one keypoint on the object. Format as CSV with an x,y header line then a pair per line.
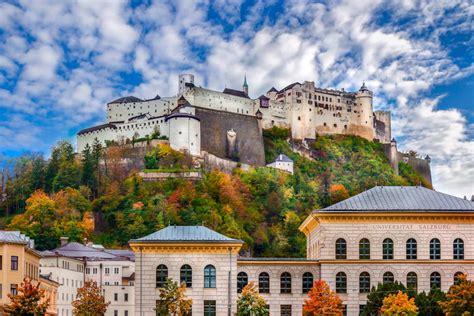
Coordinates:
x,y
19,259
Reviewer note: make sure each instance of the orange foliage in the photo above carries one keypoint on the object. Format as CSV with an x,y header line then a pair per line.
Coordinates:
x,y
399,304
338,192
322,300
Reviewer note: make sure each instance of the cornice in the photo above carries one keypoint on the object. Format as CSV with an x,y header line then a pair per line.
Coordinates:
x,y
195,248
396,261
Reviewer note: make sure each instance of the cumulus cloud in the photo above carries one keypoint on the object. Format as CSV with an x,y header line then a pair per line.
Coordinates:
x,y
62,61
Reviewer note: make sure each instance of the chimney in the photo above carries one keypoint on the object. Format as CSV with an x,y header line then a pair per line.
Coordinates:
x,y
472,198
64,240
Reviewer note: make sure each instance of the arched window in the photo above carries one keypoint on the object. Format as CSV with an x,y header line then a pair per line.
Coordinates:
x,y
411,249
264,283
186,275
388,277
210,276
435,280
161,275
364,282
435,249
285,282
341,249
307,282
387,248
242,280
456,277
458,249
364,249
412,280
341,282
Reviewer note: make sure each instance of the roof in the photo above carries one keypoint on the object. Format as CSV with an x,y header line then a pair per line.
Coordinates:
x,y
96,128
283,158
262,97
236,93
363,87
122,253
400,198
77,250
127,99
187,234
276,259
289,86
272,90
181,114
13,237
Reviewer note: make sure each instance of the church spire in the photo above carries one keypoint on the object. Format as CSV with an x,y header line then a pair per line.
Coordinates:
x,y
245,86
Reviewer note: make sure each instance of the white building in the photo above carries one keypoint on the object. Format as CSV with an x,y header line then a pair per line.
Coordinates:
x,y
417,236
282,162
73,263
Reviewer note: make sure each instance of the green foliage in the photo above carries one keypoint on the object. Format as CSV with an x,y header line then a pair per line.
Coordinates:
x,y
411,176
428,303
173,300
377,294
250,302
164,157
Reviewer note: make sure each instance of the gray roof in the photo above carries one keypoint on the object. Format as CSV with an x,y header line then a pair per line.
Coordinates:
x,y
283,158
236,93
96,128
187,234
400,198
14,237
128,99
77,250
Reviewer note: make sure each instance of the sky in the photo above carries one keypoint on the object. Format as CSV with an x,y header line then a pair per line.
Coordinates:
x,y
62,61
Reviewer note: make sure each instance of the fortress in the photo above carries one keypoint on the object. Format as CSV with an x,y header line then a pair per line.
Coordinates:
x,y
229,124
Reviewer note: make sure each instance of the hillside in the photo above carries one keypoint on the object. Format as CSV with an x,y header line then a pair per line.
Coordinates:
x,y
263,207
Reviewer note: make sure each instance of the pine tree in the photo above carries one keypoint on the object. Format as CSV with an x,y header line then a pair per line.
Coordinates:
x,y
88,175
90,301
377,294
30,300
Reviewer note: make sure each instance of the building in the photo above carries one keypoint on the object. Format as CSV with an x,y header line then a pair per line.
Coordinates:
x,y
195,111
73,263
282,162
19,260
420,237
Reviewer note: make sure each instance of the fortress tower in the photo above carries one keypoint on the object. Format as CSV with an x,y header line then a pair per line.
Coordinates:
x,y
183,80
366,113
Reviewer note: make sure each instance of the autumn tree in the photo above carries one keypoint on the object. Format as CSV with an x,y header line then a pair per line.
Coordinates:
x,y
337,193
399,304
30,300
377,294
90,301
322,300
459,300
250,302
173,300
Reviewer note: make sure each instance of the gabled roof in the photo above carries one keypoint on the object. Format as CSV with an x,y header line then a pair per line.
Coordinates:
x,y
272,89
283,158
400,198
96,128
77,250
187,234
289,86
128,99
236,93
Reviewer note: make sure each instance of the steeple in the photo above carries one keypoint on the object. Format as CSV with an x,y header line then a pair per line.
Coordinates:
x,y
245,86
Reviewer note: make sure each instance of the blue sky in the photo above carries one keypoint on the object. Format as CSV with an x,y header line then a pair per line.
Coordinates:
x,y
62,61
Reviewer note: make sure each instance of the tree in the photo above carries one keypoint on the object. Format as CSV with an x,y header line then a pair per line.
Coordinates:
x,y
90,301
399,304
338,192
173,300
428,303
250,302
87,175
459,300
30,300
377,294
322,300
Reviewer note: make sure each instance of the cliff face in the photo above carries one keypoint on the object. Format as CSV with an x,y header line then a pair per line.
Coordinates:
x,y
215,126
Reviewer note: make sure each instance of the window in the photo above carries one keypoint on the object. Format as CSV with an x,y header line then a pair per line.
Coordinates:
x,y
341,249
388,277
161,275
210,277
458,249
125,297
307,282
285,310
341,282
125,313
1,290
116,270
456,277
88,270
285,282
209,308
107,271
14,263
186,275
435,280
364,249
116,297
387,248
115,312
435,249
411,249
1,262
412,281
364,282
242,280
264,283
94,271
14,289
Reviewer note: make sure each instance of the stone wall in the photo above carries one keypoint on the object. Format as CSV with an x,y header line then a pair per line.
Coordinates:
x,y
214,127
212,162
